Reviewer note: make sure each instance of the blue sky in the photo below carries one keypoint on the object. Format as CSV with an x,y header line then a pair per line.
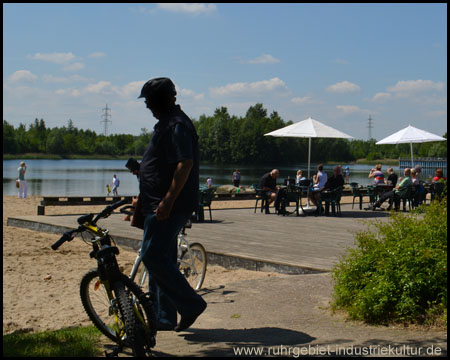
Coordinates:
x,y
338,63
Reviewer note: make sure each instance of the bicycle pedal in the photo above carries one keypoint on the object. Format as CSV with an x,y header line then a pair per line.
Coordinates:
x,y
115,352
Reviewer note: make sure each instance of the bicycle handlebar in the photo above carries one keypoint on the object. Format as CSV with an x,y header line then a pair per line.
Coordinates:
x,y
69,235
109,209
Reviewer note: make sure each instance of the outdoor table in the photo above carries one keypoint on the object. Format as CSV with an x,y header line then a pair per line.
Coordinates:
x,y
293,193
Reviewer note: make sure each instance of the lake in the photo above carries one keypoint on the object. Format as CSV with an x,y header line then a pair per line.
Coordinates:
x,y
89,177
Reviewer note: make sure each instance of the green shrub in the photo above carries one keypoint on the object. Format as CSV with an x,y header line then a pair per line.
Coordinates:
x,y
398,271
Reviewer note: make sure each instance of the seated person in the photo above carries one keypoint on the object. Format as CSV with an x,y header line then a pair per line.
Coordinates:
x,y
420,193
439,175
299,177
398,191
319,181
335,181
268,184
392,177
418,169
414,177
377,175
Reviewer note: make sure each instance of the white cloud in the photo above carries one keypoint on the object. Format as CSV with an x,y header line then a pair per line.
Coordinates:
x,y
189,8
97,54
410,86
381,96
243,88
74,67
22,76
99,87
191,94
132,89
264,59
58,58
62,80
343,87
349,109
305,100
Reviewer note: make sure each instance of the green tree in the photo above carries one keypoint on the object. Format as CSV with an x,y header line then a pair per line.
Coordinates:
x,y
10,145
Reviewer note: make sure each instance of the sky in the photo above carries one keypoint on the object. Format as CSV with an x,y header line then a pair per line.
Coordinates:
x,y
336,63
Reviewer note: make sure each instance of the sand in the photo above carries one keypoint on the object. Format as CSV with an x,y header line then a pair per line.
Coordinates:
x,y
41,286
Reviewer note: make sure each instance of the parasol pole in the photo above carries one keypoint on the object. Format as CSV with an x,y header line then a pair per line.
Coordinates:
x,y
412,163
309,157
309,163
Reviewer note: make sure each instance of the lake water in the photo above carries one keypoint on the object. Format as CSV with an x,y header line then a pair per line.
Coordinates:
x,y
89,177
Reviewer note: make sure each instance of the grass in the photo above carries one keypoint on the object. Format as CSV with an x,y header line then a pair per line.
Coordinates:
x,y
69,342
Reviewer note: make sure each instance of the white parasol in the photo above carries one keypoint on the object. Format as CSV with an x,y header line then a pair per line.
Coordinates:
x,y
309,128
410,135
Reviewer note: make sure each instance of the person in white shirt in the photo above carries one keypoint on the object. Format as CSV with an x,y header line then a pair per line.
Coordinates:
x,y
22,182
319,181
116,183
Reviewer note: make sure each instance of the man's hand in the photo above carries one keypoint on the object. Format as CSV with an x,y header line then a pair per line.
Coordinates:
x,y
163,210
180,177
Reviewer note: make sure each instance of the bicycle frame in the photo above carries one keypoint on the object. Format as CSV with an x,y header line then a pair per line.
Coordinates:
x,y
182,248
108,275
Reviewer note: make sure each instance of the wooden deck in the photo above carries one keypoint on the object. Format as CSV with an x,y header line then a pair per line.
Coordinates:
x,y
246,239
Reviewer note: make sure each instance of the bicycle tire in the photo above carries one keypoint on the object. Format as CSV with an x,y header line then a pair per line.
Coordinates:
x,y
135,337
194,269
99,309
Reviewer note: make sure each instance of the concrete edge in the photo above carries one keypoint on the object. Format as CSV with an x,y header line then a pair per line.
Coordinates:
x,y
228,261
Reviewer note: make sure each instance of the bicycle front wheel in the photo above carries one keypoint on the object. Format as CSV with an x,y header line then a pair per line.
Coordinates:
x,y
107,312
192,265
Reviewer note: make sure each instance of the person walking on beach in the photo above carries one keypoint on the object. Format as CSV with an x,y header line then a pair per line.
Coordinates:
x,y
168,184
22,183
347,174
108,189
116,183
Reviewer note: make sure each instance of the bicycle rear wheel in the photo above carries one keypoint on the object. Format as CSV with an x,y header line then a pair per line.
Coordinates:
x,y
192,265
109,313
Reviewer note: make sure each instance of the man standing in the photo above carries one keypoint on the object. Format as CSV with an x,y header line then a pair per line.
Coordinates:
x,y
116,183
169,183
236,178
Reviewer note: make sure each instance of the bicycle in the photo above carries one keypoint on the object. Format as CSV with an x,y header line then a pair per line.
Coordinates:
x,y
115,304
191,259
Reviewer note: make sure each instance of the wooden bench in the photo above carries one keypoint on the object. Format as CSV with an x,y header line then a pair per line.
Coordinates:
x,y
78,200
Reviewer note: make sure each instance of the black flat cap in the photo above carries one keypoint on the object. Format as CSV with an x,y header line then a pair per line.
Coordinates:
x,y
158,87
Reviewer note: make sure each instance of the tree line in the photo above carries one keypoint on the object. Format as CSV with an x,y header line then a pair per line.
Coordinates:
x,y
223,139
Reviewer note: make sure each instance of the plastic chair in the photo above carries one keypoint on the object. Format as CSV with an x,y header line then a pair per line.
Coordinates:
x,y
260,196
206,198
332,198
438,189
356,192
407,196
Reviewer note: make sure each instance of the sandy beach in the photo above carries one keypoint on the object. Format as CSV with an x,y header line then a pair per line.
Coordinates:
x,y
41,286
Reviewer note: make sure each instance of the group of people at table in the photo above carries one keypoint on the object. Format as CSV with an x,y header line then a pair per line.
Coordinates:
x,y
409,181
322,183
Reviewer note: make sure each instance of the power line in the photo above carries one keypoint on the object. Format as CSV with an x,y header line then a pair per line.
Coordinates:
x,y
106,120
370,127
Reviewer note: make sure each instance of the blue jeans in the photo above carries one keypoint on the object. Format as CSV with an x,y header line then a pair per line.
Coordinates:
x,y
159,250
